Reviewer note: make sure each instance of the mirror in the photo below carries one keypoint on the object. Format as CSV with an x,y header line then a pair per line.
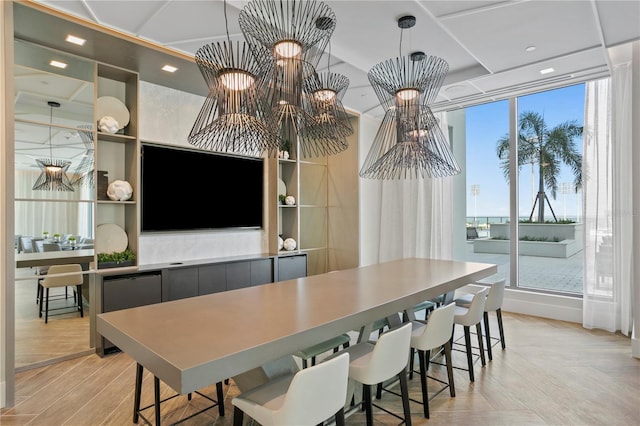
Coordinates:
x,y
58,219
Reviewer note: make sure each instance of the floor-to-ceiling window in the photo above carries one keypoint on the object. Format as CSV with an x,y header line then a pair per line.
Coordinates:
x,y
549,178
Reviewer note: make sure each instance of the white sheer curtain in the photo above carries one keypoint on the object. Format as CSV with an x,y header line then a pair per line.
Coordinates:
x,y
34,217
608,196
416,216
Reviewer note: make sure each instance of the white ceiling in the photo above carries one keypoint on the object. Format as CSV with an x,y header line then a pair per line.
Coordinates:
x,y
483,41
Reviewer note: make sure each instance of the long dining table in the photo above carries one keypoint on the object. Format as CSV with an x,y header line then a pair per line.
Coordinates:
x,y
192,343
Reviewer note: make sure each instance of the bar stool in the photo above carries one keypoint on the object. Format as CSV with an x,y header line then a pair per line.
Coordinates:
x,y
494,301
436,333
468,317
73,278
308,397
373,363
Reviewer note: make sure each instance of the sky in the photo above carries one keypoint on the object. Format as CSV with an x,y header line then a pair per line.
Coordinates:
x,y
489,122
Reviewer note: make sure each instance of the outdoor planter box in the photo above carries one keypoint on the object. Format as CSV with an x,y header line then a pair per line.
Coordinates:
x,y
570,236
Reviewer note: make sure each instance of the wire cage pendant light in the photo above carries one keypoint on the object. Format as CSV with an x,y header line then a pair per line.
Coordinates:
x,y
53,176
295,34
409,142
232,118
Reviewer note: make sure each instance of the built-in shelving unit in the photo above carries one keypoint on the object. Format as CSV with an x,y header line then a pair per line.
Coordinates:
x,y
318,213
118,154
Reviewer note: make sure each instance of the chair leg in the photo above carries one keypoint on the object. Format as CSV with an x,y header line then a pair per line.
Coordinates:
x,y
340,417
412,354
449,361
220,399
46,308
467,343
499,315
368,408
41,301
487,333
423,383
480,344
405,396
80,304
238,417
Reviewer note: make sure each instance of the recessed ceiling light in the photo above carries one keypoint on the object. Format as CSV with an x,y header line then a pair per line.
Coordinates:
x,y
169,68
75,40
58,64
530,48
546,71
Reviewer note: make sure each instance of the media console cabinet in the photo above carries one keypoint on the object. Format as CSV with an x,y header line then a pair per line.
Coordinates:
x,y
149,284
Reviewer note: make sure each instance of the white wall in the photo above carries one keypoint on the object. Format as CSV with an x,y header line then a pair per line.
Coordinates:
x,y
166,117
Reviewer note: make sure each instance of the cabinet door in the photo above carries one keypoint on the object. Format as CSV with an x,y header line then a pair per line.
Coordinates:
x,y
212,279
261,271
238,275
182,283
131,291
290,267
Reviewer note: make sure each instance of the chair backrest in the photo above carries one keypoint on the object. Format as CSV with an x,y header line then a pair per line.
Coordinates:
x,y
438,329
51,280
315,393
390,354
495,296
475,311
36,244
51,247
26,244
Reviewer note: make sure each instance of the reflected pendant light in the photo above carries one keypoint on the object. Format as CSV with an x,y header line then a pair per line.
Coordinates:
x,y
233,118
83,175
409,142
53,176
294,34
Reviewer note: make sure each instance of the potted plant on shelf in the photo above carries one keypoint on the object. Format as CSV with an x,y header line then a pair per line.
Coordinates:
x,y
72,241
45,235
116,259
56,237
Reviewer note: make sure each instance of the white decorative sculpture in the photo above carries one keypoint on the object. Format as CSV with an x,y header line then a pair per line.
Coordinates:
x,y
280,243
119,190
290,200
108,124
289,244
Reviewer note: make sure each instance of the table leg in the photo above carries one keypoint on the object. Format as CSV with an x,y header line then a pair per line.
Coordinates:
x,y
156,391
136,401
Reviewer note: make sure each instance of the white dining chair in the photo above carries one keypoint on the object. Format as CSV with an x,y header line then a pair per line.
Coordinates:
x,y
373,363
467,318
435,334
494,301
308,397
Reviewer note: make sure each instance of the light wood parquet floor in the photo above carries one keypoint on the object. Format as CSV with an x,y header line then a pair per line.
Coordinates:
x,y
38,343
551,373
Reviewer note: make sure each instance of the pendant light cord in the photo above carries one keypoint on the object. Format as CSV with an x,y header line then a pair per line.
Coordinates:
x,y
226,22
50,124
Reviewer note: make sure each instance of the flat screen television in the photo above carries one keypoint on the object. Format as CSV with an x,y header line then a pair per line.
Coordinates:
x,y
187,190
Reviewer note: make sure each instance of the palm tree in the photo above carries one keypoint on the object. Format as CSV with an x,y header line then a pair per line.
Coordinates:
x,y
548,148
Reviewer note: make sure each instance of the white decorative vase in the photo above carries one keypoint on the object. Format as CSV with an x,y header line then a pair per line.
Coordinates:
x,y
119,190
108,124
290,200
280,243
289,244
